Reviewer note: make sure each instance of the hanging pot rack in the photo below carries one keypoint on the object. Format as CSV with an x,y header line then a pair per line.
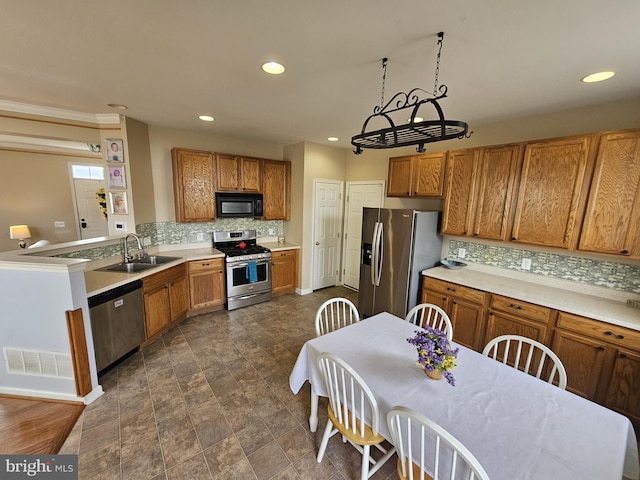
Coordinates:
x,y
419,132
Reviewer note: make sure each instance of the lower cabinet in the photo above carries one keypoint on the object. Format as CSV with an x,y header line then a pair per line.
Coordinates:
x,y
465,307
514,317
602,362
284,271
206,285
165,299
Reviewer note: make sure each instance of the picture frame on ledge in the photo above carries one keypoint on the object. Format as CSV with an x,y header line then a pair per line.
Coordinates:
x,y
114,150
118,202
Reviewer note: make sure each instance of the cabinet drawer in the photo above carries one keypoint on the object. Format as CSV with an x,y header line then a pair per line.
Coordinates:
x,y
453,289
521,309
600,330
282,254
209,264
162,278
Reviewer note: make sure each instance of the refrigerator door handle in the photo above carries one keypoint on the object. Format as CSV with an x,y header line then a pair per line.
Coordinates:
x,y
379,255
374,256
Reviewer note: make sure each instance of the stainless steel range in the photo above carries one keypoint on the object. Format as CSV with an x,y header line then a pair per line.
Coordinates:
x,y
248,268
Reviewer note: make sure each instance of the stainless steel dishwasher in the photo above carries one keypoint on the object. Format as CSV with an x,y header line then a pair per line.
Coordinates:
x,y
117,322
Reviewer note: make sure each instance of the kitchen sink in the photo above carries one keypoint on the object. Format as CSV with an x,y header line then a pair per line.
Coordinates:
x,y
156,260
131,267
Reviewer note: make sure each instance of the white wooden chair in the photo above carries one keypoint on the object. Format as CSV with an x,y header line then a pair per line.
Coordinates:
x,y
335,313
353,412
528,356
431,315
427,451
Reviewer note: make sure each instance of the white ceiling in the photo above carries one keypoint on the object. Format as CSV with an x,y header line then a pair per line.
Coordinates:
x,y
171,61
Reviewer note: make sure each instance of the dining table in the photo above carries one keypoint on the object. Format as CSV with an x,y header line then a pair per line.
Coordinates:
x,y
517,426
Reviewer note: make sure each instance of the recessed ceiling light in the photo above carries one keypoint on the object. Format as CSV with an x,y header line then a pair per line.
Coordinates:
x,y
273,68
333,139
206,118
598,77
117,106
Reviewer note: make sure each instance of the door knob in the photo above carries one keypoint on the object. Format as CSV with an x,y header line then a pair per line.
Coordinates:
x,y
83,223
317,243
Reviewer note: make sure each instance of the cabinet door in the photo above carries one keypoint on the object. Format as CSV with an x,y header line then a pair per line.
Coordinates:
x,y
459,192
495,181
623,391
468,322
156,310
501,323
399,180
551,193
428,174
228,171
276,184
612,218
250,175
206,283
583,359
436,298
193,185
284,272
178,298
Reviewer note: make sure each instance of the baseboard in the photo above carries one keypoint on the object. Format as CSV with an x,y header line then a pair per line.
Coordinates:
x,y
93,395
305,291
20,392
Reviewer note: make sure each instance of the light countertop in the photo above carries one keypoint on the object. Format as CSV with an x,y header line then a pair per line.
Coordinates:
x,y
543,291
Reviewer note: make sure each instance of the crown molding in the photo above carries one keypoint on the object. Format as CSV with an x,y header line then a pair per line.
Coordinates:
x,y
99,118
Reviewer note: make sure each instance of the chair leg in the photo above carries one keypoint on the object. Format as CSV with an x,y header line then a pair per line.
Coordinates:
x,y
364,473
325,440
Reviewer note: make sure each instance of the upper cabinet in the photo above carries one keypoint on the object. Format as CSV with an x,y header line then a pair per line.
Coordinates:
x,y
552,191
238,174
193,185
276,187
480,190
417,175
612,218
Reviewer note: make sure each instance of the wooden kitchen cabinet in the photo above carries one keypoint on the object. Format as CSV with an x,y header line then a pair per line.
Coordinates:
x,y
508,316
284,271
612,219
553,190
602,362
480,190
239,174
276,187
465,307
165,299
193,185
417,175
206,285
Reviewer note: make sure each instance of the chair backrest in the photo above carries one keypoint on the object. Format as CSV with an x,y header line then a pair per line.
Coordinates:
x,y
348,393
528,356
431,315
335,313
425,448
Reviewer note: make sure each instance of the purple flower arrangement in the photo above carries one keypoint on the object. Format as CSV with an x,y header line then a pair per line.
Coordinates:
x,y
434,352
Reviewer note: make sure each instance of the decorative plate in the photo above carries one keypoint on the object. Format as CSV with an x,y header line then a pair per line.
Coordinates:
x,y
453,264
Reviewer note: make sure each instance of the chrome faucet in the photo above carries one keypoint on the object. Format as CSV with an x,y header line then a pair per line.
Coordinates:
x,y
125,248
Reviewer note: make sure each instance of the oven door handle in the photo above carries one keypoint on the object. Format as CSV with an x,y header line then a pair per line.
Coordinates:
x,y
245,297
260,262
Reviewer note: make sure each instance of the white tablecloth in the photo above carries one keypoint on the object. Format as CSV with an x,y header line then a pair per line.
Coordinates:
x,y
518,427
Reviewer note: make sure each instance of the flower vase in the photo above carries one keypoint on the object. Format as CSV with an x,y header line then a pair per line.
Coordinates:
x,y
435,375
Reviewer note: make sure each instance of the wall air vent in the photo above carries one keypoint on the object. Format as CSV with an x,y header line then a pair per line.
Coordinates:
x,y
43,364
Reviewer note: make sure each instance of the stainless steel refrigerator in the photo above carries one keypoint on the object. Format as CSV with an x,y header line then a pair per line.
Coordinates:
x,y
396,246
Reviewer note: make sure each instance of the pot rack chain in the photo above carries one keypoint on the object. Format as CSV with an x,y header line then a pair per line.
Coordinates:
x,y
435,82
384,78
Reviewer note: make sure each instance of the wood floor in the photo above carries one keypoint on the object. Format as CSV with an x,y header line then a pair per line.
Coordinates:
x,y
30,426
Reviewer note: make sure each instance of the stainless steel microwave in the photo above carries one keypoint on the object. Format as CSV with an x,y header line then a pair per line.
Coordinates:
x,y
237,205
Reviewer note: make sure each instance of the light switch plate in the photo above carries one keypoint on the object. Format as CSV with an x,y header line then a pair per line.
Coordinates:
x,y
462,252
121,226
200,237
58,224
526,264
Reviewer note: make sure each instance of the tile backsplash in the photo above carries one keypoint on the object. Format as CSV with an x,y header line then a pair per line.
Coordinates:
x,y
173,233
607,274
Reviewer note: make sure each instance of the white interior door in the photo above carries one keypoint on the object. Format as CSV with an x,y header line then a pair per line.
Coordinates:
x,y
92,223
359,195
326,233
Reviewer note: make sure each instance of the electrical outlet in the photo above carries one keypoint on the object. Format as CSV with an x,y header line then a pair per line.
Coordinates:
x,y
526,264
462,252
200,237
146,241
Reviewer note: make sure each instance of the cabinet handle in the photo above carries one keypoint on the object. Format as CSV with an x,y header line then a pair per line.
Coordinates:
x,y
408,193
475,234
465,232
517,307
166,286
513,238
455,303
600,348
619,337
621,355
624,252
415,193
608,333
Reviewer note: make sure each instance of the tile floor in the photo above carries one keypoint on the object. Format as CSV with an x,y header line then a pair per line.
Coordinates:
x,y
211,400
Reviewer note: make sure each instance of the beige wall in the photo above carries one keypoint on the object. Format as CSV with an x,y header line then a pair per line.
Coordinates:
x,y
141,171
293,230
163,139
